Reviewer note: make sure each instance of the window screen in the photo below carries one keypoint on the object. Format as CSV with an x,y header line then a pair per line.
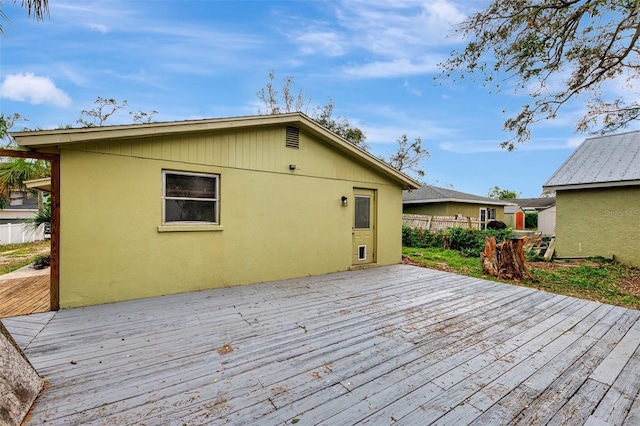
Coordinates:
x,y
190,198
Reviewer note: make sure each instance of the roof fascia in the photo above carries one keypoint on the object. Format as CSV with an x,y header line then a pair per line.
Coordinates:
x,y
42,138
595,185
458,200
55,138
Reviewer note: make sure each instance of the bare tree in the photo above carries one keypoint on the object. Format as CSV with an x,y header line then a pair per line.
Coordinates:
x,y
409,156
272,101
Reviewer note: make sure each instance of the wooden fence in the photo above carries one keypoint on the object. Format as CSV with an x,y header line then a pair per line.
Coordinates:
x,y
438,223
12,233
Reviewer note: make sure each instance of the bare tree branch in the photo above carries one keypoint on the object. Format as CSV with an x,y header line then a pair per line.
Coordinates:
x,y
536,42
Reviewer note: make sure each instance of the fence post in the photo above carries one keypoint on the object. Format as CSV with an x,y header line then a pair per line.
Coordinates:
x,y
429,223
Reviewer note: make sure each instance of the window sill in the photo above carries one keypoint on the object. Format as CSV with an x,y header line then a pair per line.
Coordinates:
x,y
189,228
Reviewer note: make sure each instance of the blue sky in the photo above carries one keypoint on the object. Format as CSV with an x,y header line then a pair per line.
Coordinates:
x,y
204,59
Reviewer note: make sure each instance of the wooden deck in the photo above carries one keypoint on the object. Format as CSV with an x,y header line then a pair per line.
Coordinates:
x,y
391,345
24,295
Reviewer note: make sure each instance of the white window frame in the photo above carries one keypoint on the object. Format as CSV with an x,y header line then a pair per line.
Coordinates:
x,y
216,200
489,215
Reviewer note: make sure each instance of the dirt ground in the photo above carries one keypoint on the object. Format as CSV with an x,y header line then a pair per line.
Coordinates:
x,y
631,283
22,254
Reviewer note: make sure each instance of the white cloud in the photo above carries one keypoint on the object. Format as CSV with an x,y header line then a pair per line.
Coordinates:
x,y
99,28
327,42
410,89
400,28
33,89
383,39
427,130
393,68
493,145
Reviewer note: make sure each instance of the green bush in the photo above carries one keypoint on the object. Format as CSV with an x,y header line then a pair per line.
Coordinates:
x,y
469,242
419,238
531,220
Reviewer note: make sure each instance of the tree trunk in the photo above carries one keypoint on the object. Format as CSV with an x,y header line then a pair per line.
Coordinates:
x,y
505,260
19,382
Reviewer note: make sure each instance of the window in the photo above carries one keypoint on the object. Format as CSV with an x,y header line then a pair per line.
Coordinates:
x,y
190,198
362,211
486,216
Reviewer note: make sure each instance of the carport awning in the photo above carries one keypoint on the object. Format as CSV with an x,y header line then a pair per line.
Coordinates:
x,y
43,184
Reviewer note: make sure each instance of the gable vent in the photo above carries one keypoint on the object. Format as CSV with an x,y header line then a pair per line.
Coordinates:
x,y
293,137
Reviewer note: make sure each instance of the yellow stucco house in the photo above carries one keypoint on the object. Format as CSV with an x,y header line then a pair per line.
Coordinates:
x,y
161,208
431,200
598,200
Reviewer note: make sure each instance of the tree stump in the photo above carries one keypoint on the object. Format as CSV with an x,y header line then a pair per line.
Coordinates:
x,y
19,381
505,260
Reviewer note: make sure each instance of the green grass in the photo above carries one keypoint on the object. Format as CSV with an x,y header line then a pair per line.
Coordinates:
x,y
15,256
593,280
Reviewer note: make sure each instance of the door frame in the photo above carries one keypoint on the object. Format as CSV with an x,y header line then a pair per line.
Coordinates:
x,y
54,159
371,250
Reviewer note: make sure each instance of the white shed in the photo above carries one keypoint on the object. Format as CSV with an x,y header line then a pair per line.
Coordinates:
x,y
547,220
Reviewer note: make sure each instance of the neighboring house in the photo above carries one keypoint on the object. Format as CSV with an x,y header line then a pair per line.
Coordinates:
x,y
160,208
545,207
514,217
598,199
22,205
435,201
43,185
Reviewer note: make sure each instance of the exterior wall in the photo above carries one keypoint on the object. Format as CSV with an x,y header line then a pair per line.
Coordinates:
x,y
510,220
547,221
599,222
275,223
451,209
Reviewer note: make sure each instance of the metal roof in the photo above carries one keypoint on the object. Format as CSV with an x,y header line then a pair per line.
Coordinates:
x,y
511,209
604,161
434,194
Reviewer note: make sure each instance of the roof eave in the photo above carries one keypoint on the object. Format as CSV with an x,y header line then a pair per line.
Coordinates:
x,y
594,185
458,200
51,138
54,138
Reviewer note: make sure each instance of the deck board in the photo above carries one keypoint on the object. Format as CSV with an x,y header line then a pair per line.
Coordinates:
x,y
389,345
25,295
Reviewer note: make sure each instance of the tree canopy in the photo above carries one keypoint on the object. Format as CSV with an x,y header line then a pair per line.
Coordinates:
x,y
406,159
409,156
555,51
14,171
37,9
503,194
284,101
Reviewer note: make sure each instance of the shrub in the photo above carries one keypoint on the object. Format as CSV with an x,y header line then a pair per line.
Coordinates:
x,y
419,238
469,242
531,220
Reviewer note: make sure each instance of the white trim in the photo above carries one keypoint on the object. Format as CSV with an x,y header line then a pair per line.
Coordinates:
x,y
594,185
164,197
459,200
365,252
